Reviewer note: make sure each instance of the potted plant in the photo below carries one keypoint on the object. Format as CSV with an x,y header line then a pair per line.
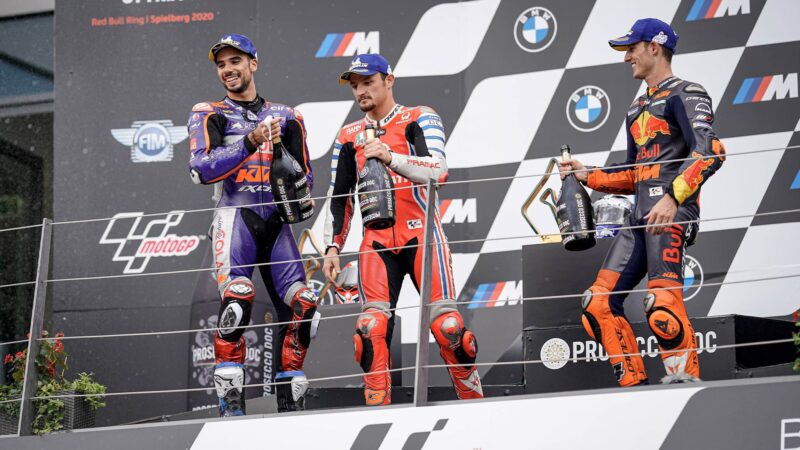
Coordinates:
x,y
51,413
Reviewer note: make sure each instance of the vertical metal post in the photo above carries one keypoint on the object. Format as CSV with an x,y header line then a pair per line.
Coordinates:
x,y
423,347
29,384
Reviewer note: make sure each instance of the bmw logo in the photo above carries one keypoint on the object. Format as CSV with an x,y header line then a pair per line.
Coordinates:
x,y
151,139
588,108
535,29
692,277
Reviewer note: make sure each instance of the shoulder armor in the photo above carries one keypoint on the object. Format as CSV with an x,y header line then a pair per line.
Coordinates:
x,y
202,107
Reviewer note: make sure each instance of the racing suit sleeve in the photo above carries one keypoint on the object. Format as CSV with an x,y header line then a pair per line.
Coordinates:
x,y
695,118
615,180
339,206
426,136
295,141
212,159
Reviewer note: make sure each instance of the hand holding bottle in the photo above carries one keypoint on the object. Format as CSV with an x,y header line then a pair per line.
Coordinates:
x,y
567,165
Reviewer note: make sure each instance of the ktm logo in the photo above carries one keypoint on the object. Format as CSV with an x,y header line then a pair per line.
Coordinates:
x,y
349,44
707,9
646,127
766,88
253,174
647,172
459,211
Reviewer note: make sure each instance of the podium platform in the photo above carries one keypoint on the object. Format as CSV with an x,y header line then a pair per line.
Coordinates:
x,y
572,344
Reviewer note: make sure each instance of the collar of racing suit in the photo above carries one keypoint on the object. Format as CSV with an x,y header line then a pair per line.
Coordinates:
x,y
252,106
382,123
656,88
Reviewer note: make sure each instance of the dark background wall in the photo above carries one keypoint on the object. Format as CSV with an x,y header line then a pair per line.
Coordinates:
x,y
507,104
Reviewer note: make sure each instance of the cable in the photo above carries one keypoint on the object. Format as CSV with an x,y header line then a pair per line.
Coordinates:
x,y
480,180
401,369
258,326
38,225
209,269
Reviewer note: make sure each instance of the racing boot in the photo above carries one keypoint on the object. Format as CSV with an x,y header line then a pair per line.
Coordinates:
x,y
291,393
229,382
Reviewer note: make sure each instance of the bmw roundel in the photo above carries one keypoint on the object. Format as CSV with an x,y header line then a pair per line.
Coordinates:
x,y
692,277
588,108
535,29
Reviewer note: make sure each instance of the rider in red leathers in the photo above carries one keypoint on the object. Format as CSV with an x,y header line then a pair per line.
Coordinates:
x,y
410,143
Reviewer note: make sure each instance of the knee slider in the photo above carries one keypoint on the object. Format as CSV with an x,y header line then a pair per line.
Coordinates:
x,y
304,307
591,311
450,332
468,350
664,323
363,351
237,300
371,324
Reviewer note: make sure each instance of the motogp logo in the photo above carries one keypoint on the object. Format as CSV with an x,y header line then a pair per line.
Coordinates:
x,y
588,108
535,29
139,244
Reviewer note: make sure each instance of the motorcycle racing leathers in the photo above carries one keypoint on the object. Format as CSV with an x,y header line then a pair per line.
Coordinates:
x,y
247,230
415,137
672,120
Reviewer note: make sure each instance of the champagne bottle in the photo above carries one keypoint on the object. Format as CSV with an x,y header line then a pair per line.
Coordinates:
x,y
574,212
375,192
289,184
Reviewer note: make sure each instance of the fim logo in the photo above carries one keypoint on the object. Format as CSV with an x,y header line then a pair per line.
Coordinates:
x,y
349,44
150,140
535,29
766,88
137,245
459,211
588,108
708,9
490,295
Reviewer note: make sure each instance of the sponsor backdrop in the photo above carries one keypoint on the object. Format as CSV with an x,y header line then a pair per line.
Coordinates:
x,y
513,80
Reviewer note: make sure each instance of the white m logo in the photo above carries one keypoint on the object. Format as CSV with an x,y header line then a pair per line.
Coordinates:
x,y
364,43
732,8
781,87
459,211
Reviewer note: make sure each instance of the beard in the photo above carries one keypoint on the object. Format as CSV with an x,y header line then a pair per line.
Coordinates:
x,y
243,85
368,107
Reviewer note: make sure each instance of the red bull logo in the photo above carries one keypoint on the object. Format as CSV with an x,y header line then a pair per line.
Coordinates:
x,y
646,127
694,174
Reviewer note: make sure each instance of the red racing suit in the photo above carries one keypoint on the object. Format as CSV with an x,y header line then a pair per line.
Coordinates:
x,y
415,136
672,120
